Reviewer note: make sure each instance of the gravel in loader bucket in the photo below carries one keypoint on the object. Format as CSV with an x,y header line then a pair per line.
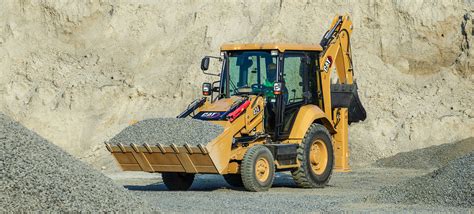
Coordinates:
x,y
167,131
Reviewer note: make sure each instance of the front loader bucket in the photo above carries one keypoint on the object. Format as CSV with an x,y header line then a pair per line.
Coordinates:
x,y
212,158
160,158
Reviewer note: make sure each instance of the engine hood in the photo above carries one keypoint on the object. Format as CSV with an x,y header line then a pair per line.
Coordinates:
x,y
219,109
221,105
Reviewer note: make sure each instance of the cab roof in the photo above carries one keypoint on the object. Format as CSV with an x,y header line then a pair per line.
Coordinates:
x,y
282,47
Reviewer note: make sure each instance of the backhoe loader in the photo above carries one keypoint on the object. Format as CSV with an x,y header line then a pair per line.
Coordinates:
x,y
280,111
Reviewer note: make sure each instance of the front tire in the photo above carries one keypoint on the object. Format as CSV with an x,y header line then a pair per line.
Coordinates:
x,y
258,169
177,181
316,158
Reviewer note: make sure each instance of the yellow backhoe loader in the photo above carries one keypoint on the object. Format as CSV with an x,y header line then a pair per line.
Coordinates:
x,y
280,111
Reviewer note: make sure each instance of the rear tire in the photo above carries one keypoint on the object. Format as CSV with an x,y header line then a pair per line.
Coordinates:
x,y
234,180
177,181
258,169
316,158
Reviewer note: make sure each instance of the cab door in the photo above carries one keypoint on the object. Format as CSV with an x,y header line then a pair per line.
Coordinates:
x,y
297,90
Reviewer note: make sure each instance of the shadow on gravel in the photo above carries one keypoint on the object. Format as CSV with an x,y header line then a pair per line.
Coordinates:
x,y
212,183
198,186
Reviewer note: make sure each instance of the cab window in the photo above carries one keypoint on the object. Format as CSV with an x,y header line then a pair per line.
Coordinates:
x,y
251,72
293,74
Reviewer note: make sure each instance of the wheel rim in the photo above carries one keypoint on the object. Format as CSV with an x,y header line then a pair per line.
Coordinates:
x,y
318,157
262,169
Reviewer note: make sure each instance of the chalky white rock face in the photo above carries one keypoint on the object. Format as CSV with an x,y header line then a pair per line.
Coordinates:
x,y
38,176
167,131
77,73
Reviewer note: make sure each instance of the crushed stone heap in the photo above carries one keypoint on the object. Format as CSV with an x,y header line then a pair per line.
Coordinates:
x,y
38,176
451,185
167,131
429,158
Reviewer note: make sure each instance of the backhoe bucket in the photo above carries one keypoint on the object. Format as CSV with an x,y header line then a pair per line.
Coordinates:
x,y
346,96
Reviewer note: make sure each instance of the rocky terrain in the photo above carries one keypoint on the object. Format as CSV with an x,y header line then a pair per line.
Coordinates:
x,y
450,185
430,157
364,189
37,176
78,73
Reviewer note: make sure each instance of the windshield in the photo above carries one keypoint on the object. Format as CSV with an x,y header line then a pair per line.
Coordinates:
x,y
251,72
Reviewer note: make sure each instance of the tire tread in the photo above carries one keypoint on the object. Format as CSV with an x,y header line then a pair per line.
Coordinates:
x,y
301,175
247,171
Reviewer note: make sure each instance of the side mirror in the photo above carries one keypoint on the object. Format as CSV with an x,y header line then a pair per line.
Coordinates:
x,y
206,89
205,63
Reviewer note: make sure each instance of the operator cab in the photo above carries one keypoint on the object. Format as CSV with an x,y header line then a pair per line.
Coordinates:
x,y
284,74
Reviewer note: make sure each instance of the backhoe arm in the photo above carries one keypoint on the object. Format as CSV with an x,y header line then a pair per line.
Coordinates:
x,y
340,100
336,54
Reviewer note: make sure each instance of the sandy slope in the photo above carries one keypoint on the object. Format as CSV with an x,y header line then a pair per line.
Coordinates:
x,y
78,73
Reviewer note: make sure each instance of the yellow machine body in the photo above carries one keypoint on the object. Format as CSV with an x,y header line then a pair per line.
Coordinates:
x,y
222,155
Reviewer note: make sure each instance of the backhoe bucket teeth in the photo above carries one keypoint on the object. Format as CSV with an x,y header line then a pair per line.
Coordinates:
x,y
161,158
180,157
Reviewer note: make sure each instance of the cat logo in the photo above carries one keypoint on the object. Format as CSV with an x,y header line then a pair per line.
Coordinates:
x,y
210,115
256,110
327,64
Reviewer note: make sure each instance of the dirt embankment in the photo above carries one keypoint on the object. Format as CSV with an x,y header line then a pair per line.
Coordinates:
x,y
77,72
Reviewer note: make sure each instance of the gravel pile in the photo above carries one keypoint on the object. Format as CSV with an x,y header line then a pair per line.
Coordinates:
x,y
167,131
430,157
38,176
451,185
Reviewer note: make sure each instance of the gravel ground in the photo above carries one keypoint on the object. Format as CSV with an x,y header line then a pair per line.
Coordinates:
x,y
38,176
430,157
167,131
451,185
346,193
